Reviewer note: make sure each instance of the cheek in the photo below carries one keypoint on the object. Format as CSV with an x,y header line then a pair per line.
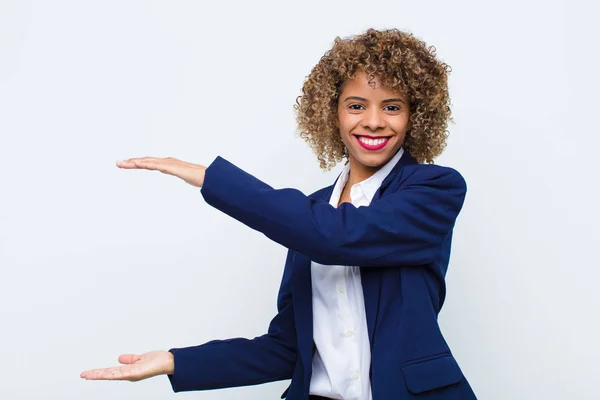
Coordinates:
x,y
345,136
346,124
404,123
343,128
400,127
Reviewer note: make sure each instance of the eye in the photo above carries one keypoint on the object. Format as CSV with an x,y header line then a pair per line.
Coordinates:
x,y
392,108
355,107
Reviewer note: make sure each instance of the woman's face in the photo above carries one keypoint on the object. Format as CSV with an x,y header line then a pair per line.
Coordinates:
x,y
372,120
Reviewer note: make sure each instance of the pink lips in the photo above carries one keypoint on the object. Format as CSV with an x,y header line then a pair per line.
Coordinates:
x,y
372,147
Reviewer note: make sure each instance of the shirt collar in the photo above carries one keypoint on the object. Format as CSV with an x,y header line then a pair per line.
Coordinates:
x,y
366,188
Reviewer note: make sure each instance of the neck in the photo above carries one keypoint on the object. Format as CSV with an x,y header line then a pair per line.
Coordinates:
x,y
360,172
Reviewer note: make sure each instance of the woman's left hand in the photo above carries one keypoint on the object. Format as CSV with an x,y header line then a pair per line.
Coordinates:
x,y
191,173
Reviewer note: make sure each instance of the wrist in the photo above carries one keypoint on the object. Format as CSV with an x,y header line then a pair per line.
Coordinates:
x,y
170,363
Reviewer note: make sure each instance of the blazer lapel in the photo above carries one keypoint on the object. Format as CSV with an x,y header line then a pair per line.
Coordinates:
x,y
371,277
302,284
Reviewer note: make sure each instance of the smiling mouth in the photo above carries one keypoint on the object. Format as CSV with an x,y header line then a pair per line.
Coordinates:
x,y
372,142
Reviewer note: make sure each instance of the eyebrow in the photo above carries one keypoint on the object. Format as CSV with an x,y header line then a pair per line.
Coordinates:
x,y
365,100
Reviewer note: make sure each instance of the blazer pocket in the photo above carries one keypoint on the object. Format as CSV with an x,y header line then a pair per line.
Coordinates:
x,y
431,374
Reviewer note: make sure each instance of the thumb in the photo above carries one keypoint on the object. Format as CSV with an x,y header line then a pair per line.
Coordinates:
x,y
129,358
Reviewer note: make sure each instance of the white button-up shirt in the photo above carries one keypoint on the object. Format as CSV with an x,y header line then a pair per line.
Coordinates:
x,y
342,358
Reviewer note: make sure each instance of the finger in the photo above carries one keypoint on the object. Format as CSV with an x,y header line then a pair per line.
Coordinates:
x,y
129,358
127,164
147,159
132,162
149,163
114,373
98,374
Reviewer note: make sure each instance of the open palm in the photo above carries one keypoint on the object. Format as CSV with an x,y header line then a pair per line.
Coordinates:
x,y
136,368
191,173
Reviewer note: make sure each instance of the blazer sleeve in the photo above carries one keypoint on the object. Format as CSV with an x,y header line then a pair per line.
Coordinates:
x,y
403,228
239,361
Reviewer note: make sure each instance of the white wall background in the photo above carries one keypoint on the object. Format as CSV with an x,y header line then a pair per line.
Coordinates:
x,y
96,261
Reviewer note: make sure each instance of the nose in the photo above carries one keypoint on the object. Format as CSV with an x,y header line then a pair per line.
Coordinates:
x,y
373,119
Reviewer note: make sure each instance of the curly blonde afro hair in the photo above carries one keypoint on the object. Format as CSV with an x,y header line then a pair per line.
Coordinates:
x,y
401,62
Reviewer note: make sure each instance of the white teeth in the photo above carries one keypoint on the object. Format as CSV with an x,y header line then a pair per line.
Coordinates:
x,y
371,142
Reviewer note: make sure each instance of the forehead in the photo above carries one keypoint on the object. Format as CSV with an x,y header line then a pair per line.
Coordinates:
x,y
360,86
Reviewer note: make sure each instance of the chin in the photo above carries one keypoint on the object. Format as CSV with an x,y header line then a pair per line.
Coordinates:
x,y
373,160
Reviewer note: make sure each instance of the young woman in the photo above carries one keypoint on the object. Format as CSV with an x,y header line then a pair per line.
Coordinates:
x,y
363,281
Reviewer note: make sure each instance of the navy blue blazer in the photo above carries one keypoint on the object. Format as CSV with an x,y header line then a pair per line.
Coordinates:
x,y
401,242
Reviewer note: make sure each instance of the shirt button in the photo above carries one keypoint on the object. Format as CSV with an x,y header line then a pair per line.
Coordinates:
x,y
349,333
355,376
341,290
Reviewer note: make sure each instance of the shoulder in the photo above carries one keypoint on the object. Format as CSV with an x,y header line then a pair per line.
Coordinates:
x,y
434,175
321,192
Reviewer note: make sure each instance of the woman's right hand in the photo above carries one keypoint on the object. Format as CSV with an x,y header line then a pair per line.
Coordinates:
x,y
136,368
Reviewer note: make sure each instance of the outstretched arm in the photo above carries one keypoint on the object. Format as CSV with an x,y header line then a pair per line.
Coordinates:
x,y
403,228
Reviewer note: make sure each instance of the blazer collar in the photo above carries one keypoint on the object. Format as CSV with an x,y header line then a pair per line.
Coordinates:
x,y
406,159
